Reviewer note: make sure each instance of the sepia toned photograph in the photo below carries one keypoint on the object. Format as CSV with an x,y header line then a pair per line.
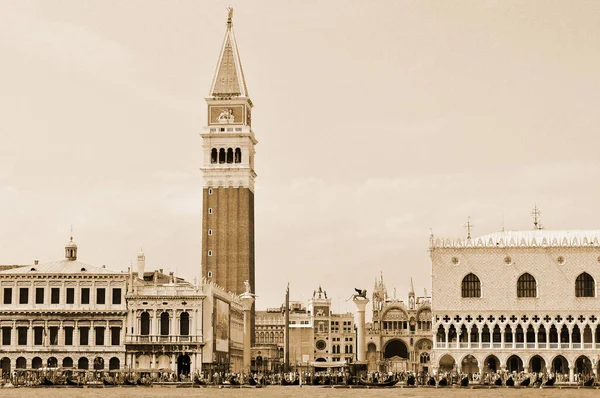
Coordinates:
x,y
372,198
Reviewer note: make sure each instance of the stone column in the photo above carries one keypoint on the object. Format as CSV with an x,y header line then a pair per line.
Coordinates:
x,y
14,334
247,300
61,334
571,374
174,331
469,337
30,334
107,334
359,320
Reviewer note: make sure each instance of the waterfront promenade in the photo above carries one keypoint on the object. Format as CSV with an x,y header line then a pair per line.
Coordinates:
x,y
313,391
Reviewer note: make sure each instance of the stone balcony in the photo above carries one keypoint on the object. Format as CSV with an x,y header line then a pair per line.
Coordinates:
x,y
154,339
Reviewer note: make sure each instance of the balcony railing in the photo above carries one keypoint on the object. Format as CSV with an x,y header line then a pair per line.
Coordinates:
x,y
162,339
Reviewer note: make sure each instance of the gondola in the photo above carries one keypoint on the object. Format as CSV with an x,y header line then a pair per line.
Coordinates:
x,y
410,381
525,382
388,383
464,382
198,382
46,382
498,381
108,383
443,382
70,382
550,382
589,383
431,381
510,382
128,382
252,381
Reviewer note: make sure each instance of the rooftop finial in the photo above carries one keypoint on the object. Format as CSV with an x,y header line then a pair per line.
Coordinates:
x,y
71,232
229,16
536,213
469,226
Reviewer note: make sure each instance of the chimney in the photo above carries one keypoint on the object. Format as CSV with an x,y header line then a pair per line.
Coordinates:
x,y
155,278
141,264
36,262
171,277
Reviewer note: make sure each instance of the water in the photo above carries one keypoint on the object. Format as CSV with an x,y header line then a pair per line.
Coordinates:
x,y
295,391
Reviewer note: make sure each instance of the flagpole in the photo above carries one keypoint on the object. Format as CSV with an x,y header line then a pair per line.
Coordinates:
x,y
287,329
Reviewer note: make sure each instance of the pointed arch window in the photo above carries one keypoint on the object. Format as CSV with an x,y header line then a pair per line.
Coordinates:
x,y
229,155
222,155
585,286
526,286
471,286
238,155
214,155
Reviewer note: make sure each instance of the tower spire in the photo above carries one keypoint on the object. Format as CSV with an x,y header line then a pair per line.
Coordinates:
x,y
228,80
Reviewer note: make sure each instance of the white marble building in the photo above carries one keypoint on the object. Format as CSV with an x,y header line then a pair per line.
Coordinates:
x,y
520,300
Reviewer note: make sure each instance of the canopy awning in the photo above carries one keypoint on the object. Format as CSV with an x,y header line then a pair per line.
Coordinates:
x,y
318,364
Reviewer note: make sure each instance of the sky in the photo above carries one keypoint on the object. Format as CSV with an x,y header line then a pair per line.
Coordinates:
x,y
379,122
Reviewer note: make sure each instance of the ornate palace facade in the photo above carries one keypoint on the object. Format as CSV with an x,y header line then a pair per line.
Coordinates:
x,y
69,314
399,337
520,300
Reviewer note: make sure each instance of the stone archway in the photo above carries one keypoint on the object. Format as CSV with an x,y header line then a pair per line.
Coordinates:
x,y
491,364
395,348
469,365
537,364
447,363
583,365
5,363
560,365
184,365
514,363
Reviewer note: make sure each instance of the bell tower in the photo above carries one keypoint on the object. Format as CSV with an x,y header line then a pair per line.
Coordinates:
x,y
228,172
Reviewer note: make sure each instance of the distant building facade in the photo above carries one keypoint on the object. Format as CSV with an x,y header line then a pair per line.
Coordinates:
x,y
63,314
69,314
400,335
517,300
317,335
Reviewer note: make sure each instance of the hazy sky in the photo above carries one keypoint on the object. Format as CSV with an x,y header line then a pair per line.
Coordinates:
x,y
376,121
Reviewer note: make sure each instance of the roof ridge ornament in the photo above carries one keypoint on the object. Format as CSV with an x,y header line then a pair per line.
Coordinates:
x,y
229,17
536,213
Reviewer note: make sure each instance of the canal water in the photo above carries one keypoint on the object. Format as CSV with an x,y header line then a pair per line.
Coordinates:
x,y
297,392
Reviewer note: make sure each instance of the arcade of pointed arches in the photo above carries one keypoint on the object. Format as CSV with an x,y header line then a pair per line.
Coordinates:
x,y
535,362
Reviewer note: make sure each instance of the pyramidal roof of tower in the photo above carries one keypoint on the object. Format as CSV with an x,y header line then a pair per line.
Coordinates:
x,y
229,80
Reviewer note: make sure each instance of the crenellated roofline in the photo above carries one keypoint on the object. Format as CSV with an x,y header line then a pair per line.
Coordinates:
x,y
533,238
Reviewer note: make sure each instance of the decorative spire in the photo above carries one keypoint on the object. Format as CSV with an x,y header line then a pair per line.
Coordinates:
x,y
536,213
468,227
412,288
229,78
71,249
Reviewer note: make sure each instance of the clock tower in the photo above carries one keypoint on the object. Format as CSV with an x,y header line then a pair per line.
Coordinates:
x,y
228,172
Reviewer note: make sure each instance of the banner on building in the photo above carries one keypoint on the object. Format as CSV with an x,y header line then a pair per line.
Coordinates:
x,y
221,326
